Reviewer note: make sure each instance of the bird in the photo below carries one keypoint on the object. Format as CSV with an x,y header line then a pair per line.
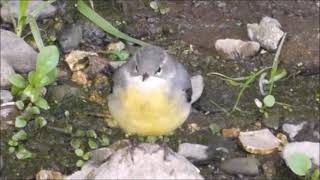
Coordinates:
x,y
152,93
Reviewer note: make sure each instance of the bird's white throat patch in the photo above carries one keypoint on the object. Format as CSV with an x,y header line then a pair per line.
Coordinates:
x,y
148,84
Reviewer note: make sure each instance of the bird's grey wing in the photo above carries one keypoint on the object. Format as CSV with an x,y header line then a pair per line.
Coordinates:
x,y
119,78
197,87
181,81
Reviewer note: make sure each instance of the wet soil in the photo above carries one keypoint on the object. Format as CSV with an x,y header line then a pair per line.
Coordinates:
x,y
189,31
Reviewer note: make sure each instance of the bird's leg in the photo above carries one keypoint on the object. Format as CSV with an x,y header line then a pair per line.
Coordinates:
x,y
164,146
134,143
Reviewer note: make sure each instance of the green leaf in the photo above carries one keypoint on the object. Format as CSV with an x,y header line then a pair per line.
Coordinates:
x,y
20,122
80,133
151,139
86,156
315,175
40,121
52,76
20,136
299,163
75,143
47,60
23,5
35,31
23,153
32,93
33,110
215,129
32,78
79,163
79,152
116,54
11,150
15,91
269,100
92,144
104,140
12,142
20,104
68,129
17,80
91,133
105,25
42,103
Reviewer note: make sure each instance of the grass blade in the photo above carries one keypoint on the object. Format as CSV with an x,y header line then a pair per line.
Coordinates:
x,y
104,24
23,5
275,64
35,32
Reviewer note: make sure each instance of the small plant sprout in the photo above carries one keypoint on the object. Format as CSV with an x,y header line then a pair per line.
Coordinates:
x,y
299,163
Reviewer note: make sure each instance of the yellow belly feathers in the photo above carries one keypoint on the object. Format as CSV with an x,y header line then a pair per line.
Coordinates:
x,y
147,113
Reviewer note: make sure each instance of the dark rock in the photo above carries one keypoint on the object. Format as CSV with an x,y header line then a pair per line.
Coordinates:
x,y
7,116
70,37
57,93
244,166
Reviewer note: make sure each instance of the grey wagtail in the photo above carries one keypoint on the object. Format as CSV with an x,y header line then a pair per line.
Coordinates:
x,y
152,93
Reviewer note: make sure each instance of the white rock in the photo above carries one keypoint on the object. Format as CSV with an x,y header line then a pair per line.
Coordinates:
x,y
193,151
292,129
148,163
235,48
311,149
5,96
259,141
17,53
267,33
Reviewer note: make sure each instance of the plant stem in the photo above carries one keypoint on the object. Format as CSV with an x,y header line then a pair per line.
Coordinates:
x,y
246,85
275,64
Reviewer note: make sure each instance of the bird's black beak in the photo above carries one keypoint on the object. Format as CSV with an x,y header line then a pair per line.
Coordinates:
x,y
145,76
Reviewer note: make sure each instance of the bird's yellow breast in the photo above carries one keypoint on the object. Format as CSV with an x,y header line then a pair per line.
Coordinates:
x,y
147,112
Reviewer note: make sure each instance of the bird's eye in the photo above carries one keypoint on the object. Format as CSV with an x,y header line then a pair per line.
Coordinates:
x,y
137,70
158,70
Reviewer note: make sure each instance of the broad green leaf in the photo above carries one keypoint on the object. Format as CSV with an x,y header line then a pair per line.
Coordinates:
x,y
40,121
20,136
91,133
269,100
20,122
52,76
17,80
80,133
215,129
33,110
23,153
42,103
86,156
20,104
68,129
15,91
105,25
92,144
32,93
104,140
299,163
47,60
79,163
75,143
79,152
11,150
32,78
13,142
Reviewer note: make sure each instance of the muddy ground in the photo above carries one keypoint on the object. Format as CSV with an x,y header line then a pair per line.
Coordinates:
x,y
200,24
